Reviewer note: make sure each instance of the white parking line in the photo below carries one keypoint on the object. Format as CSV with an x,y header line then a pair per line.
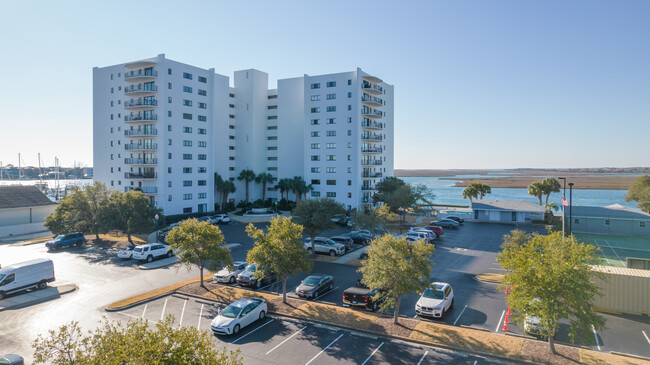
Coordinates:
x,y
287,339
180,323
198,326
595,336
646,337
264,287
253,331
162,315
327,292
323,350
461,313
614,251
144,310
499,324
127,314
422,358
378,347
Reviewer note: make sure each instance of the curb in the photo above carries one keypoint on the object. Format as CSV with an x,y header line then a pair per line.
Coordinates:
x,y
142,267
60,291
139,302
630,355
31,242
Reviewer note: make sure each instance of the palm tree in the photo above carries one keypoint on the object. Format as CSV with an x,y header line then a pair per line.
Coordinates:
x,y
536,189
264,178
470,192
551,185
549,213
299,186
482,189
283,185
227,188
248,176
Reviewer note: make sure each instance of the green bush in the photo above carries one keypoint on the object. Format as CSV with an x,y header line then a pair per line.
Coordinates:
x,y
229,207
259,203
285,205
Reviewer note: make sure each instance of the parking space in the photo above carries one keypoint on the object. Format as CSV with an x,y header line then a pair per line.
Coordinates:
x,y
282,341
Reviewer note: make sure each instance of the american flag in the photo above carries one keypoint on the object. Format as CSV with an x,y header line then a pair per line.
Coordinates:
x,y
564,202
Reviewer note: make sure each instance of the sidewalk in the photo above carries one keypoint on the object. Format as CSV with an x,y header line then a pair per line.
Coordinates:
x,y
36,296
354,255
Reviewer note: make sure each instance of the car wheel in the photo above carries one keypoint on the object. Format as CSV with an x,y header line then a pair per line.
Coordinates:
x,y
309,251
235,329
149,258
451,306
170,253
58,247
262,315
232,280
374,307
2,295
42,285
331,286
332,253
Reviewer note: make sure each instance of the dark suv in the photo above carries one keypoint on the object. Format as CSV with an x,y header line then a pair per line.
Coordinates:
x,y
361,296
66,240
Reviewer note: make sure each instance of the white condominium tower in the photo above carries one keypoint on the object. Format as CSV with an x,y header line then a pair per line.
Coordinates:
x,y
165,128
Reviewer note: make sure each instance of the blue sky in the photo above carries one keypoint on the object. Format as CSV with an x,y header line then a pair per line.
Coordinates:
x,y
478,84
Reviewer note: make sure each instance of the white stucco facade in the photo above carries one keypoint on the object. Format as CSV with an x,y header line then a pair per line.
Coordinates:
x,y
166,127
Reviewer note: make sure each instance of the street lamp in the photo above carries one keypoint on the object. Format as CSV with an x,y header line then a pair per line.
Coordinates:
x,y
156,217
570,208
563,199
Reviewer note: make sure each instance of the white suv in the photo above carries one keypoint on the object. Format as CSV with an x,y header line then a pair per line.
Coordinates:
x,y
229,273
150,251
325,245
220,218
435,301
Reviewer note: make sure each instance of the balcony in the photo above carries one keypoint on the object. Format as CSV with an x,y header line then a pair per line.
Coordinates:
x,y
372,175
369,124
143,189
140,104
141,161
140,118
140,132
368,188
372,100
140,176
371,163
140,90
371,150
140,76
141,147
372,88
371,113
371,138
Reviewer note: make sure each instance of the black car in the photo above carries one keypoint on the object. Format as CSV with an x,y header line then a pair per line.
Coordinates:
x,y
457,219
247,278
315,285
359,238
361,296
345,240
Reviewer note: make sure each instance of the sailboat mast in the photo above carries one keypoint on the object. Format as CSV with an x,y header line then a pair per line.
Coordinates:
x,y
40,173
19,168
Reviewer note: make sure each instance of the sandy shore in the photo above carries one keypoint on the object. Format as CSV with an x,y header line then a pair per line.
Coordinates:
x,y
581,182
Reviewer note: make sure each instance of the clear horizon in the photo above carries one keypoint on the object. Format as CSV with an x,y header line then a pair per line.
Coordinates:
x,y
498,85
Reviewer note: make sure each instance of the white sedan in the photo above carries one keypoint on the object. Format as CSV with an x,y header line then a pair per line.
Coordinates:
x,y
435,301
229,273
238,315
126,253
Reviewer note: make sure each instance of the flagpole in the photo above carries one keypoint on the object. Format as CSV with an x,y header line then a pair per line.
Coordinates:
x,y
563,200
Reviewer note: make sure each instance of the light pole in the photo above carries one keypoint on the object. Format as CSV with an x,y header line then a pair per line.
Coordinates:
x,y
563,199
156,217
570,208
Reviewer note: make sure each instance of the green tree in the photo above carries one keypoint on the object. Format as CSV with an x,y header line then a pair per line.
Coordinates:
x,y
134,342
83,210
397,194
264,178
536,189
97,198
376,219
199,243
130,212
550,207
550,185
482,189
640,193
283,185
247,176
398,267
470,192
65,217
552,280
315,215
279,251
225,188
299,187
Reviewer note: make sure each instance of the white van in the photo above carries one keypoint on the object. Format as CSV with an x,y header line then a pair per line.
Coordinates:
x,y
26,275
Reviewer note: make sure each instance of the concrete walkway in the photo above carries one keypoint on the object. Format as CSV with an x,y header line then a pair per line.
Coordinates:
x,y
351,255
36,296
171,260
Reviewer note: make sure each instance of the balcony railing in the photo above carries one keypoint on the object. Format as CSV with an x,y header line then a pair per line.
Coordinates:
x,y
374,113
372,99
137,146
140,132
140,103
141,161
135,175
372,87
372,175
144,189
140,73
368,188
371,150
366,123
141,118
140,89
372,138
371,163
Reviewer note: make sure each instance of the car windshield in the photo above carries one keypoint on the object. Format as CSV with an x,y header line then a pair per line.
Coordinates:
x,y
59,237
432,293
311,281
231,311
330,242
139,249
251,268
2,276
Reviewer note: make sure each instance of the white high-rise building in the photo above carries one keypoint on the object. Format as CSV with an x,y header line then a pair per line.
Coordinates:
x,y
166,128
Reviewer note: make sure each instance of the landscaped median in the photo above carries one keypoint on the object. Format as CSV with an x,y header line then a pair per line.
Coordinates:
x,y
435,334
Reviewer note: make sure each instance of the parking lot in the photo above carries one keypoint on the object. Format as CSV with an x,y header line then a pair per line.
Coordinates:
x,y
279,340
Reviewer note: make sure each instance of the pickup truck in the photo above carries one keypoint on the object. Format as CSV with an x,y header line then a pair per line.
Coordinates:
x,y
361,296
66,240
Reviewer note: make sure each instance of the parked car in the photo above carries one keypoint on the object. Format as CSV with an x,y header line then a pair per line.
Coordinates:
x,y
363,256
66,240
361,296
204,219
315,285
324,245
344,240
238,315
26,275
447,223
150,251
11,359
435,301
427,236
229,273
247,278
220,218
457,219
359,238
342,220
363,231
435,229
126,253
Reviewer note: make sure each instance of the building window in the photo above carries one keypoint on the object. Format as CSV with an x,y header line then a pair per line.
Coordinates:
x,y
169,113
187,210
169,127
232,148
315,134
187,156
203,144
169,99
187,89
315,158
331,194
187,197
330,158
315,194
315,146
202,92
169,142
270,107
272,127
513,216
203,106
349,119
187,182
231,168
169,155
202,118
169,71
169,198
576,221
315,121
315,170
349,82
331,108
272,148
187,143
315,86
331,84
330,170
349,132
203,131
607,222
272,117
315,110
202,170
187,129
331,146
187,76
272,158
187,170
349,95
203,79
315,181
331,120
187,102
203,195
331,133
349,195
202,182
331,96
331,182
315,98
272,138
349,182
187,116
202,157
642,224
349,107
275,168
169,85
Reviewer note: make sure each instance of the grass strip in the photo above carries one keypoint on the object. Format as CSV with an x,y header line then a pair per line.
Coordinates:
x,y
494,278
338,315
154,293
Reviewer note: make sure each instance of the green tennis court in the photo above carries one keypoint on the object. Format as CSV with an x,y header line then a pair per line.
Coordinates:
x,y
616,249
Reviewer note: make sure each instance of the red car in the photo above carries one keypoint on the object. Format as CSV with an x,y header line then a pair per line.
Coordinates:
x,y
436,229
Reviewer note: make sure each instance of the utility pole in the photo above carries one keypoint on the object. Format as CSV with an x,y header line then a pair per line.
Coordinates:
x,y
563,200
570,208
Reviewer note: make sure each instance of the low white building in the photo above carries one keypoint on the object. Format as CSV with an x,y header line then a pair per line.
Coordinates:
x,y
614,219
506,211
23,210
